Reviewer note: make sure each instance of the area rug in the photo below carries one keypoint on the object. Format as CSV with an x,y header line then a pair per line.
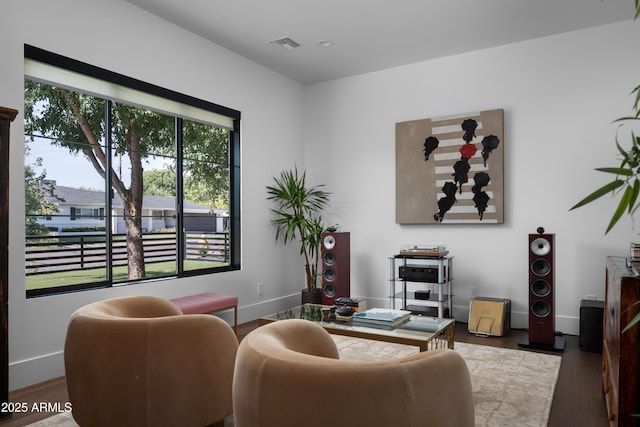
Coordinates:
x,y
510,387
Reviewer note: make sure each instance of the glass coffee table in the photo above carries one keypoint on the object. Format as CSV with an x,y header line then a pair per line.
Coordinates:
x,y
428,333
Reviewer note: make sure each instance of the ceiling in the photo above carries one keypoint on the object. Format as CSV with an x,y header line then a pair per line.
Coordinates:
x,y
372,35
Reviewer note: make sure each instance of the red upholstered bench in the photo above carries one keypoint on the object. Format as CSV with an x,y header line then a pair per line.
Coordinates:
x,y
208,303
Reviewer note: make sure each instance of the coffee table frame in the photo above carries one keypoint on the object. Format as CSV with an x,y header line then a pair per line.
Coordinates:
x,y
440,337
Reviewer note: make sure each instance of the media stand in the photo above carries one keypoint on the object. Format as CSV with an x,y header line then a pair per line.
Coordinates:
x,y
422,284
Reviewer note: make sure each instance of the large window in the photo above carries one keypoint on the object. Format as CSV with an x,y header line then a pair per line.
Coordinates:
x,y
124,181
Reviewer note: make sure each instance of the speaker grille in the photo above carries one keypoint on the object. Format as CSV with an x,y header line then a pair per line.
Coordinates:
x,y
540,308
329,258
329,274
329,242
540,246
540,267
540,288
329,290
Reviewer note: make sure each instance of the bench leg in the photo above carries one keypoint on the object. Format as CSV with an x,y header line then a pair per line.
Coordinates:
x,y
235,319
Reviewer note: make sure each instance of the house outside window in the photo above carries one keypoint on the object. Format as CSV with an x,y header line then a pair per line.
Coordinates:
x,y
87,213
139,182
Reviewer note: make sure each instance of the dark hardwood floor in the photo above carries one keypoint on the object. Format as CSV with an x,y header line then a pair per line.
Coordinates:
x,y
578,399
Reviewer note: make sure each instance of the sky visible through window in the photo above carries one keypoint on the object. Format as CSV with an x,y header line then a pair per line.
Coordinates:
x,y
76,171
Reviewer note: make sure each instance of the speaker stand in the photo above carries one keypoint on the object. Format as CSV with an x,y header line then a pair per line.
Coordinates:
x,y
558,345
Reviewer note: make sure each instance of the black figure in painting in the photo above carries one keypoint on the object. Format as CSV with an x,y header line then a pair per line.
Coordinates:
x,y
460,171
480,198
430,144
445,203
469,127
489,143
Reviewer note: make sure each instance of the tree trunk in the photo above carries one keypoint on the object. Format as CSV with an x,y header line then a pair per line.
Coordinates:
x,y
133,209
135,247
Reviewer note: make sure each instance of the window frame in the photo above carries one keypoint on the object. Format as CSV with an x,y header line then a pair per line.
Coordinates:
x,y
69,64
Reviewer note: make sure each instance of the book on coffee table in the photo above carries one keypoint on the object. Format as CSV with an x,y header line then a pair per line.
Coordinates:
x,y
382,317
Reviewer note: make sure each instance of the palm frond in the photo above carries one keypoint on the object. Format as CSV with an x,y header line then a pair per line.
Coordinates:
x,y
605,189
635,319
622,206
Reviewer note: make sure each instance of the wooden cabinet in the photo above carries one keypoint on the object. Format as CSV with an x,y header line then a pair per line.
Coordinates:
x,y
6,117
621,351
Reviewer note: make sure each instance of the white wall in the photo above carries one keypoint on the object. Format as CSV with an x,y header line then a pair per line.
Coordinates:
x,y
119,37
559,95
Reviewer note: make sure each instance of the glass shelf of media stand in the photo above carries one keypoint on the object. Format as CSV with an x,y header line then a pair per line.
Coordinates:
x,y
412,276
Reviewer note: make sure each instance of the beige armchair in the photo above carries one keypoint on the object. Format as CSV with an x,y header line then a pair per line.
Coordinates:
x,y
138,361
288,374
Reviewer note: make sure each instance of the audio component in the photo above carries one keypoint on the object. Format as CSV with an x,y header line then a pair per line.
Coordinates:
x,y
541,285
541,295
591,328
419,273
422,294
336,274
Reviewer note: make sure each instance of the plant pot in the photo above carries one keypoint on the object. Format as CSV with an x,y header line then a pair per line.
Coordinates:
x,y
312,297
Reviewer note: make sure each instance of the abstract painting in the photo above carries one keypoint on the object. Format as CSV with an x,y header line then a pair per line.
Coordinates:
x,y
450,170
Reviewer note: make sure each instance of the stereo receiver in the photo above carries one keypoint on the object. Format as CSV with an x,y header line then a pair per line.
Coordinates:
x,y
419,273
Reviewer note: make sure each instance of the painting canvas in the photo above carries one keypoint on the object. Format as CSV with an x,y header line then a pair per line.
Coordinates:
x,y
450,170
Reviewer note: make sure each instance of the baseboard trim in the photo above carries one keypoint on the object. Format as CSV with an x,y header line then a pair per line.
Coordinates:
x,y
568,325
26,372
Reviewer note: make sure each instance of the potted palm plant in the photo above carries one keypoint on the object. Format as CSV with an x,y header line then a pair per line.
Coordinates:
x,y
298,217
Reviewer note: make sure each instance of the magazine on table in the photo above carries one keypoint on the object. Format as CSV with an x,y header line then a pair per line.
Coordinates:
x,y
382,316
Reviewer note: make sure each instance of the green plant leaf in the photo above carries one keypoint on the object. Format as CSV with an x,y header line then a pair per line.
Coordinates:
x,y
605,189
634,195
622,206
636,90
627,118
630,157
635,319
616,171
632,323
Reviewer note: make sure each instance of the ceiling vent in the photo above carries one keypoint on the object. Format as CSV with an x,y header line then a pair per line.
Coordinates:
x,y
286,43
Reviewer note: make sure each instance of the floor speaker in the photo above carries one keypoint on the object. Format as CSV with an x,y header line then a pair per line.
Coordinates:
x,y
336,274
541,288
